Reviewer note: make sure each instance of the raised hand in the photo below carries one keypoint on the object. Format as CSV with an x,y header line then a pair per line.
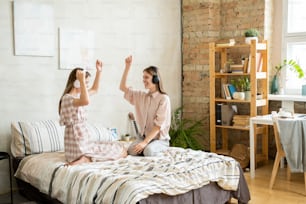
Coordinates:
x,y
80,75
99,65
128,60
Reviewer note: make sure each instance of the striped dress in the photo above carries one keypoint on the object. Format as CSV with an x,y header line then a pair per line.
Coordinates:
x,y
77,138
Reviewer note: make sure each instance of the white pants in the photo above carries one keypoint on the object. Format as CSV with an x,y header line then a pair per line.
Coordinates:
x,y
154,148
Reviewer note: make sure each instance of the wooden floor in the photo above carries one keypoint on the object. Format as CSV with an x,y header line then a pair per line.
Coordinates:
x,y
283,191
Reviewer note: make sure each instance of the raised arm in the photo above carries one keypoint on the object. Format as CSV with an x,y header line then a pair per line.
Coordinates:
x,y
95,86
128,62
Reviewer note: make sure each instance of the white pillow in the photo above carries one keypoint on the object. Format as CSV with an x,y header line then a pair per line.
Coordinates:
x,y
98,132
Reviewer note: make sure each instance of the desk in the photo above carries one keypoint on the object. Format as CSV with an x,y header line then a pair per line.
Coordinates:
x,y
263,120
285,130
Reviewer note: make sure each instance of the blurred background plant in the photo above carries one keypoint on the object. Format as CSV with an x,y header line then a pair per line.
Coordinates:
x,y
183,131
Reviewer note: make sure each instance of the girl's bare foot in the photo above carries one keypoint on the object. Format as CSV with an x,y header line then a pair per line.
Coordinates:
x,y
124,153
81,160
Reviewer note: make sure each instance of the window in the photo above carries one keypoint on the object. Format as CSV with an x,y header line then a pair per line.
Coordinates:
x,y
294,39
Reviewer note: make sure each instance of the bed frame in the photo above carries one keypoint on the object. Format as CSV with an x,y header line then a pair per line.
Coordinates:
x,y
196,196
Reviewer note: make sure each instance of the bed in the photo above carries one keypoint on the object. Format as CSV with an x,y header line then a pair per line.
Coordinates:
x,y
178,176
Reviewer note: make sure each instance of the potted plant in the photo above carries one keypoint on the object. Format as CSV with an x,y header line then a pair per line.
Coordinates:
x,y
251,34
243,87
183,131
276,86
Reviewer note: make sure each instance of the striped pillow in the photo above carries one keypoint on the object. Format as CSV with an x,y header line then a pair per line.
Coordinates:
x,y
36,137
48,136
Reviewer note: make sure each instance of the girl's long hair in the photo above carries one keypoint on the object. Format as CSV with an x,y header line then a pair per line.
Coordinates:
x,y
152,70
69,84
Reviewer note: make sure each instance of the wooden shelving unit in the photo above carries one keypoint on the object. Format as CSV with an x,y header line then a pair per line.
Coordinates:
x,y
255,78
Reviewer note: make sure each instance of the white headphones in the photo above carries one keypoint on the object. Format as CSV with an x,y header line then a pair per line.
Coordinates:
x,y
76,84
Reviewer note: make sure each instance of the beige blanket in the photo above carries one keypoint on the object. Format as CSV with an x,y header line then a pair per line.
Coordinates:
x,y
128,180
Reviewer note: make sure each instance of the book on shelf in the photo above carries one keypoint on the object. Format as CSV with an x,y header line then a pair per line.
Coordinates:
x,y
245,65
236,68
232,89
249,64
226,91
243,124
242,116
218,114
222,91
258,61
241,120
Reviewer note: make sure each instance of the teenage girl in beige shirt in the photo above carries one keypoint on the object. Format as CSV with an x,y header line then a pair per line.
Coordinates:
x,y
152,109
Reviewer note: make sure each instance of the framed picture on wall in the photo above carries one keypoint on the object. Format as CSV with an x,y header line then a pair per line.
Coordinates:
x,y
34,31
76,49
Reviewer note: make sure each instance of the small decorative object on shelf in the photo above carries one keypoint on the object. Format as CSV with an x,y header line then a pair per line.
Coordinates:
x,y
126,137
227,66
239,95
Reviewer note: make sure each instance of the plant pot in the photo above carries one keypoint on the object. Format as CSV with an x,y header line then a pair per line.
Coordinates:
x,y
249,39
247,95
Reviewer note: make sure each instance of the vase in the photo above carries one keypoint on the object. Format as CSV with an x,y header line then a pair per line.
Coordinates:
x,y
274,85
303,90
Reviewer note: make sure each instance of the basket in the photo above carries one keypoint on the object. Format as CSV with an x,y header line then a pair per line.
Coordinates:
x,y
241,153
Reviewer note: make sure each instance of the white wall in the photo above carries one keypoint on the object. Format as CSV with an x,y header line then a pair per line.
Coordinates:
x,y
277,42
30,87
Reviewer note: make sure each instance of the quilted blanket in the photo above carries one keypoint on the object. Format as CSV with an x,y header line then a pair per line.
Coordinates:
x,y
128,180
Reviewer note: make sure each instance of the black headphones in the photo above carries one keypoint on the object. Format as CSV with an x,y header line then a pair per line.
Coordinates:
x,y
155,78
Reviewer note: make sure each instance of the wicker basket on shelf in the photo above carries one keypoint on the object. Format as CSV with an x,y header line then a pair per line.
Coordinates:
x,y
241,153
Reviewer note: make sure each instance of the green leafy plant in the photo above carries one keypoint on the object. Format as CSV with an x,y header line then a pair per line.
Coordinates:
x,y
252,32
292,65
183,131
242,84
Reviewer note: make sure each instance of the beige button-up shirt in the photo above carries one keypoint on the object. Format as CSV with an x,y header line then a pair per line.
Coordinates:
x,y
151,110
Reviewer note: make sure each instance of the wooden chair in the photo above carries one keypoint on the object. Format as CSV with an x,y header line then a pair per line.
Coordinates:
x,y
280,154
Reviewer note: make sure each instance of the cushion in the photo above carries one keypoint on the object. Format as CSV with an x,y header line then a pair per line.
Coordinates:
x,y
98,132
36,137
48,136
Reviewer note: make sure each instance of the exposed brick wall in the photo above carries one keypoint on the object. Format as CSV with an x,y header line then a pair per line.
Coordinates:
x,y
207,21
